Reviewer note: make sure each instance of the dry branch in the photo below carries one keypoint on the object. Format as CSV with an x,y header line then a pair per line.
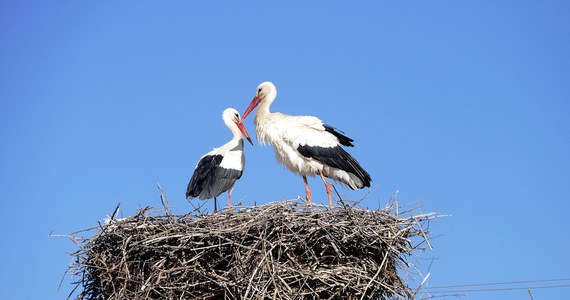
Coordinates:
x,y
280,250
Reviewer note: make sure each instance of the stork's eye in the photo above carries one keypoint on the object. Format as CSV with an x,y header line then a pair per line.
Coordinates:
x,y
259,90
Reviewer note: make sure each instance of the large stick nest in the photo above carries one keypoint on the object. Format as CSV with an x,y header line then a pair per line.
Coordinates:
x,y
281,250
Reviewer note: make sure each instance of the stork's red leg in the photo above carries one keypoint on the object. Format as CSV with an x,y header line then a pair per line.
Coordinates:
x,y
229,198
328,187
307,190
215,204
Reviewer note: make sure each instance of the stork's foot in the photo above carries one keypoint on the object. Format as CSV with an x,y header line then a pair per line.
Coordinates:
x,y
303,201
309,200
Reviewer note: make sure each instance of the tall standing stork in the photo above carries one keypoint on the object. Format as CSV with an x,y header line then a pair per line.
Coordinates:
x,y
305,145
218,170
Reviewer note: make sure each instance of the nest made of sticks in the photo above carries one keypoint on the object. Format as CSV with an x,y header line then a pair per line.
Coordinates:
x,y
280,250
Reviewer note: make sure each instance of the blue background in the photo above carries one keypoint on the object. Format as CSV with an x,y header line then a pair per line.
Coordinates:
x,y
460,106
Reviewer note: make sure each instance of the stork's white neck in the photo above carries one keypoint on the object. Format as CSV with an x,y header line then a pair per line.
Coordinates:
x,y
227,116
236,141
263,117
235,131
268,98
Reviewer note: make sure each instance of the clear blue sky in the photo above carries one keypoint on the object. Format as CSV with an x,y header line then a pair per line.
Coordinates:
x,y
460,105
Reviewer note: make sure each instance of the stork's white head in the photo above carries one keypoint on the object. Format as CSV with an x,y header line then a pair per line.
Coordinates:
x,y
232,119
265,93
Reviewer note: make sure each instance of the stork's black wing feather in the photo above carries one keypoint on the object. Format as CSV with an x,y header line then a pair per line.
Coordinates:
x,y
205,168
220,181
343,139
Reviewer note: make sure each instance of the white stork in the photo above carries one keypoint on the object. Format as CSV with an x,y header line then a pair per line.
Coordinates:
x,y
305,145
218,170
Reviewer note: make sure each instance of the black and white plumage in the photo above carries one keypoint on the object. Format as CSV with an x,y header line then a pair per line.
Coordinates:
x,y
218,170
305,145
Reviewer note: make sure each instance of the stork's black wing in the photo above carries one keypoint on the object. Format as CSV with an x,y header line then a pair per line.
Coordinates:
x,y
210,180
336,157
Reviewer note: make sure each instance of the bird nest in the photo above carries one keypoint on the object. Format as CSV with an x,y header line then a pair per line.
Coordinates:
x,y
280,250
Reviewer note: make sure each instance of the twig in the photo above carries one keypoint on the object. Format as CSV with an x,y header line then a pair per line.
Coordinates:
x,y
164,200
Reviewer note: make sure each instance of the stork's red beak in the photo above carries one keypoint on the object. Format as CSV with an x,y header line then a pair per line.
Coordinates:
x,y
251,106
243,131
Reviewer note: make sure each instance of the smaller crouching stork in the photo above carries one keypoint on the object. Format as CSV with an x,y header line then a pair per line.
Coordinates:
x,y
218,170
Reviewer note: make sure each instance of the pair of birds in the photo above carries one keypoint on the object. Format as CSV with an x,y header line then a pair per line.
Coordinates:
x,y
304,144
